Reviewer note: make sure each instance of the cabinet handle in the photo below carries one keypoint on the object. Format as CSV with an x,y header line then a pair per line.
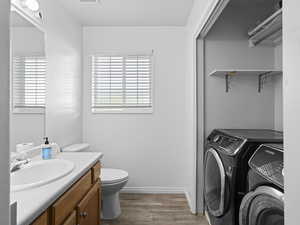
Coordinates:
x,y
83,214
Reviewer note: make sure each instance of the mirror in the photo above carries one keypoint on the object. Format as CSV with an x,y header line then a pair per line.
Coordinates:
x,y
27,82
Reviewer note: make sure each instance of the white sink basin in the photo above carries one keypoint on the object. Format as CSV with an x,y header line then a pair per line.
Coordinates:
x,y
39,173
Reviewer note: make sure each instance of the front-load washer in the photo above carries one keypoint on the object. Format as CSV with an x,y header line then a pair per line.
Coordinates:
x,y
226,166
264,205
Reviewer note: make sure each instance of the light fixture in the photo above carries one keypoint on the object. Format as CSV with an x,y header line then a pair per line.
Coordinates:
x,y
33,5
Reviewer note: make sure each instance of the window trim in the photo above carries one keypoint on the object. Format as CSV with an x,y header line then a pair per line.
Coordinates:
x,y
122,110
133,110
25,110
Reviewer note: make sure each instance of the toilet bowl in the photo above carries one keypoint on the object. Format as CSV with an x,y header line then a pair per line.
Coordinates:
x,y
112,181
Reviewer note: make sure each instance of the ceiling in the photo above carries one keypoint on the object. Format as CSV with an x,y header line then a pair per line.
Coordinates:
x,y
130,12
18,21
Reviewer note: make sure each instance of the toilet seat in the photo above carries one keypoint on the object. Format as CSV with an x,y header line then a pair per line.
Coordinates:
x,y
111,176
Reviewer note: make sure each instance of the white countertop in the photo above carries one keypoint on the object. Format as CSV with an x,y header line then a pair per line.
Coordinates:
x,y
32,202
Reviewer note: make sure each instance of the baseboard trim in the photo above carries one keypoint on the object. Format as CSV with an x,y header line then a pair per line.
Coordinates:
x,y
153,190
207,217
189,200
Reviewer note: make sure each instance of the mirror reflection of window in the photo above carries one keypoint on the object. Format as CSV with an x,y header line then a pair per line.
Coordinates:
x,y
29,77
28,82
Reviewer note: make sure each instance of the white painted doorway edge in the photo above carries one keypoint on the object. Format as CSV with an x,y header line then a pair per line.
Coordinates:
x,y
213,11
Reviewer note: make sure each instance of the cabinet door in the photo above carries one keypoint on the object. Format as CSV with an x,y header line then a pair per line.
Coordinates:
x,y
88,210
69,200
71,220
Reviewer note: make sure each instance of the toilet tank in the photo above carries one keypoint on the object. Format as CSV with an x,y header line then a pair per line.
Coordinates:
x,y
82,147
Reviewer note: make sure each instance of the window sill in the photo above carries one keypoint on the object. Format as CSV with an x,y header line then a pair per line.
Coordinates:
x,y
28,111
123,111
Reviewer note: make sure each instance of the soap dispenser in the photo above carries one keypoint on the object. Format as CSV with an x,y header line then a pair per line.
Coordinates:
x,y
46,149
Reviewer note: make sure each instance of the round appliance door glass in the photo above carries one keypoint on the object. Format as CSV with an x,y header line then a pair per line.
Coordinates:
x,y
214,187
264,206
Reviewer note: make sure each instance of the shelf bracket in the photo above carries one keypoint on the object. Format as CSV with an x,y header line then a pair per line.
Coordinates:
x,y
262,79
227,82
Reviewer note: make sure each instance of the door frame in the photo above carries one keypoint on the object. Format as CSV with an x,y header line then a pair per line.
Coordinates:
x,y
213,11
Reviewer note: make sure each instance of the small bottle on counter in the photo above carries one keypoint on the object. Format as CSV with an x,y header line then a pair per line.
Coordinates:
x,y
46,150
55,149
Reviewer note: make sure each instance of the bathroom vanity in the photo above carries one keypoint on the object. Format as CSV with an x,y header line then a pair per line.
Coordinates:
x,y
80,202
72,200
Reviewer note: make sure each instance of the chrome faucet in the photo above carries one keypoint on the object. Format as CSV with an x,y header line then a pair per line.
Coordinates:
x,y
17,163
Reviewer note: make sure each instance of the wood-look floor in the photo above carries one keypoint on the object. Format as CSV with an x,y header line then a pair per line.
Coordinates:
x,y
155,209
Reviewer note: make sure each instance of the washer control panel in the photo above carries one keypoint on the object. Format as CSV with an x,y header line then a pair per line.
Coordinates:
x,y
268,162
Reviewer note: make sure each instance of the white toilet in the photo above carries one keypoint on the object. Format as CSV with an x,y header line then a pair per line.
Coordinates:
x,y
112,181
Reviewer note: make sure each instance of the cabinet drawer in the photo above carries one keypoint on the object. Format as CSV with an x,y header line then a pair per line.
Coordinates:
x,y
68,201
71,220
96,171
41,220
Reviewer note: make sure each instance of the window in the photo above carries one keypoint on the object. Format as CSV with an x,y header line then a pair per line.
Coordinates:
x,y
122,83
28,86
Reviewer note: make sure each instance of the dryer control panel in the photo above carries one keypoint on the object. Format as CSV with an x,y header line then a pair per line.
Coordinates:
x,y
267,161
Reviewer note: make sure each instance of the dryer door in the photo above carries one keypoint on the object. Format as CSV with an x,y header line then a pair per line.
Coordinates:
x,y
215,183
264,206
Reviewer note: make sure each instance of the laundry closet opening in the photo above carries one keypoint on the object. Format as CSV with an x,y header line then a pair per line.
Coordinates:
x,y
239,72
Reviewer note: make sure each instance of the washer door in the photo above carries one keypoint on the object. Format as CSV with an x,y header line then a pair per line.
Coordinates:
x,y
214,187
264,206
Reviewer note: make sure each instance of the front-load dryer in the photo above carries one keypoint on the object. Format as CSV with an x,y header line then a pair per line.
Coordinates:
x,y
264,204
226,167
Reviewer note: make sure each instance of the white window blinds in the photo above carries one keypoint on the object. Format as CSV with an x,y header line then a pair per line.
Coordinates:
x,y
121,82
29,87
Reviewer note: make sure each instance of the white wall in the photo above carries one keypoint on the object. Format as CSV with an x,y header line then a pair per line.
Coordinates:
x,y
151,147
4,111
27,40
291,79
226,47
278,101
242,106
64,75
26,127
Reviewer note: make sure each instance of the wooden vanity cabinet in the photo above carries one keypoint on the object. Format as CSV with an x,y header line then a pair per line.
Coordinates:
x,y
80,205
42,219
